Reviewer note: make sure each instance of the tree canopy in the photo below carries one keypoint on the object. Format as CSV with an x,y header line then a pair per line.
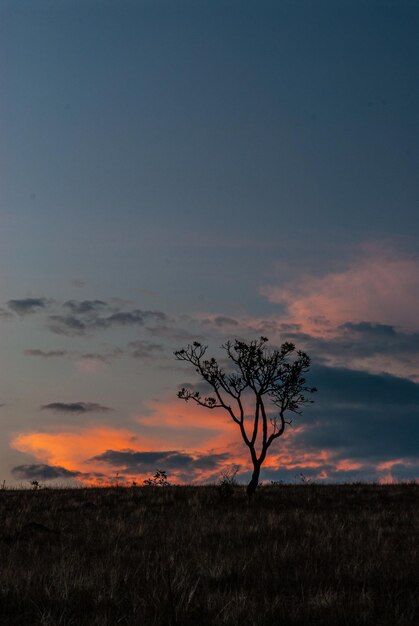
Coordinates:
x,y
275,378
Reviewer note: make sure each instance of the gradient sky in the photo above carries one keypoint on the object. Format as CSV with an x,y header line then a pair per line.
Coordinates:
x,y
206,170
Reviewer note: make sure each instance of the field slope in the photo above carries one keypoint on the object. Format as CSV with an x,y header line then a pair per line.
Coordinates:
x,y
296,554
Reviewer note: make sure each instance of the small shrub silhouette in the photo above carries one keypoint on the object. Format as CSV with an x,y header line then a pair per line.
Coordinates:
x,y
228,482
158,480
305,479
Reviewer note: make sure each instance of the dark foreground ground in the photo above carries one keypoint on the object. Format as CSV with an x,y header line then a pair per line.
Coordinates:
x,y
303,555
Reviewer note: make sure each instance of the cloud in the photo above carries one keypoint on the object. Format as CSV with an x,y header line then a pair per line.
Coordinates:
x,y
43,472
361,425
81,318
400,471
144,349
243,327
394,472
4,314
366,339
46,354
76,282
131,318
84,307
27,306
75,407
346,386
95,356
131,461
71,448
367,346
220,321
358,417
381,286
126,450
88,316
93,362
176,423
88,359
106,357
175,333
66,447
361,433
68,325
202,387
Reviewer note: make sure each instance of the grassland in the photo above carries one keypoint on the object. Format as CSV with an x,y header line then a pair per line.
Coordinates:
x,y
296,554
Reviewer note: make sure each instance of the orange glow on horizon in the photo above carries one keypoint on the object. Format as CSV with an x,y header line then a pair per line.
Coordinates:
x,y
176,426
181,428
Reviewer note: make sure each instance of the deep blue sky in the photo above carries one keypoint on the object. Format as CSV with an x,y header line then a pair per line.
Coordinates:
x,y
183,156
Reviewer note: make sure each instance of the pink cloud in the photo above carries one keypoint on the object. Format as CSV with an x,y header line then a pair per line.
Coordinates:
x,y
380,286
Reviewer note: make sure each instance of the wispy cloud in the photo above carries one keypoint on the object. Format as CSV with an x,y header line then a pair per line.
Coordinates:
x,y
175,332
87,316
75,407
27,306
221,321
85,307
144,349
102,357
76,282
66,325
46,354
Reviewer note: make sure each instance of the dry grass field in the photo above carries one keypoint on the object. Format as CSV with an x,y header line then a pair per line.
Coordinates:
x,y
304,554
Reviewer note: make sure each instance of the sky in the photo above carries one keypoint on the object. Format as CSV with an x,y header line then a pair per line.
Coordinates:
x,y
173,171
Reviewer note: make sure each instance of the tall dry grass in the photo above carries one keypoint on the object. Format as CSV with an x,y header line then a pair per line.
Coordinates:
x,y
301,555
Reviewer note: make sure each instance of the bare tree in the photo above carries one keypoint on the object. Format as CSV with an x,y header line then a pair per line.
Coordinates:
x,y
273,378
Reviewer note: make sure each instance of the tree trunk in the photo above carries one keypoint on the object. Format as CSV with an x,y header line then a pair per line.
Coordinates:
x,y
252,486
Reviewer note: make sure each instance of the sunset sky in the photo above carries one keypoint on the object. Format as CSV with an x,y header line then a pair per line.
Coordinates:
x,y
210,170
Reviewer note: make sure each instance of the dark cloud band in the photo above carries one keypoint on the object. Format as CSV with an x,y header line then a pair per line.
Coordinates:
x,y
132,461
75,407
27,306
46,354
43,472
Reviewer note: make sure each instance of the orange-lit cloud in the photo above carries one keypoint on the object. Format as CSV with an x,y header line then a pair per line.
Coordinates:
x,y
174,425
72,449
205,441
178,421
381,286
166,426
86,452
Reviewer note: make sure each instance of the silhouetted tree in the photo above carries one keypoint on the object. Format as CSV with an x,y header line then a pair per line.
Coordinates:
x,y
274,377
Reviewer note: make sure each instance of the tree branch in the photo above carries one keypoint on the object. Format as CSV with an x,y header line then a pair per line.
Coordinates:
x,y
256,422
